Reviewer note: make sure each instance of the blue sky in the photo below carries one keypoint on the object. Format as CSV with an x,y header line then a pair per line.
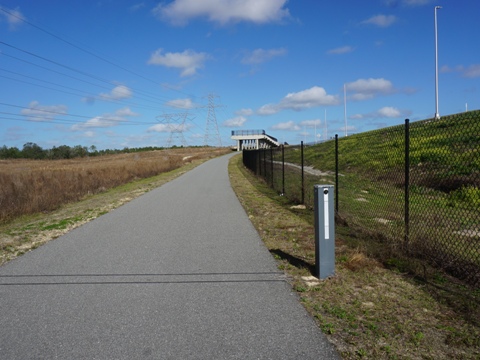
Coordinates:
x,y
118,73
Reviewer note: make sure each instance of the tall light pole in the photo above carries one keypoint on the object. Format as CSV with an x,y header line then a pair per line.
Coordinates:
x,y
437,115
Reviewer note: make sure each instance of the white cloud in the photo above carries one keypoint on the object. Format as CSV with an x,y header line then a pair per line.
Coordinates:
x,y
311,123
289,126
259,56
472,71
244,112
235,122
313,97
356,116
349,129
416,2
13,17
179,12
125,112
197,136
37,112
181,103
340,50
137,7
385,112
171,127
305,99
106,120
189,61
103,121
268,109
380,20
389,112
446,69
119,92
364,89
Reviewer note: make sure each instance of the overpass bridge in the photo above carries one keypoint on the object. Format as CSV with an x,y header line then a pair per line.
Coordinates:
x,y
253,140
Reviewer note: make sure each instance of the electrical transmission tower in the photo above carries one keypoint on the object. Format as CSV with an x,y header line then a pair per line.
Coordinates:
x,y
212,135
175,125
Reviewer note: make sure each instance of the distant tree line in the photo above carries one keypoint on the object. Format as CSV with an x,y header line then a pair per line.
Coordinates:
x,y
33,151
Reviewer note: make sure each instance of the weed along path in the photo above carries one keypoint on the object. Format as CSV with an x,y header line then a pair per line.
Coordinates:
x,y
178,273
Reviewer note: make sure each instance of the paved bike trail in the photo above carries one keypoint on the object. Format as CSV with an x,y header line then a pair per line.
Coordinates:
x,y
178,273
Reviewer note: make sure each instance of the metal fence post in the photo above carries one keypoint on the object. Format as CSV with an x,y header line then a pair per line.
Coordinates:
x,y
336,173
407,183
271,166
324,231
303,176
283,169
264,151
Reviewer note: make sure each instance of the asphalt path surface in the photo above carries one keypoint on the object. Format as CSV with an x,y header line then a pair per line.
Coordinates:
x,y
178,273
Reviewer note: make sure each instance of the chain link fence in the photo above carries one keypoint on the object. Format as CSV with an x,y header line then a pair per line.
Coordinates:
x,y
414,187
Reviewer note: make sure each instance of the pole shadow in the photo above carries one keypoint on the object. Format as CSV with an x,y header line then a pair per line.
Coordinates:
x,y
293,260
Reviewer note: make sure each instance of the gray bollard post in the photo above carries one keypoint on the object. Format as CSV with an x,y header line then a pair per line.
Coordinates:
x,y
324,231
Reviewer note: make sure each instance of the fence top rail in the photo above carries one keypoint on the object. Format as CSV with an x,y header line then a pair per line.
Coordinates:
x,y
252,133
247,132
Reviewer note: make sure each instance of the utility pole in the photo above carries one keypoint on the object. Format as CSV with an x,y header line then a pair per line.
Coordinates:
x,y
211,129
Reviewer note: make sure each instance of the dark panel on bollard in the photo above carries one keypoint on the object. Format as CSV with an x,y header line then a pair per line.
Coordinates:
x,y
324,231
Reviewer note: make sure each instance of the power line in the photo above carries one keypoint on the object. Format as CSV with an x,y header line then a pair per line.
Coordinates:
x,y
50,33
71,93
55,63
38,119
85,94
53,112
48,69
85,77
154,98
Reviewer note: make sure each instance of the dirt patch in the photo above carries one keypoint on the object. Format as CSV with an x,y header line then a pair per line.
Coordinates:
x,y
308,169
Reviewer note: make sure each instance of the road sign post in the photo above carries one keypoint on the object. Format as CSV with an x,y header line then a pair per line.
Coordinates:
x,y
324,231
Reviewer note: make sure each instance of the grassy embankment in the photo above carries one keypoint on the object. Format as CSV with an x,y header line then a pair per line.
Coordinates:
x,y
444,189
43,199
366,309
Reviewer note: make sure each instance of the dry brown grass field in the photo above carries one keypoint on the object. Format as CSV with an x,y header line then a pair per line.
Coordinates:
x,y
33,186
